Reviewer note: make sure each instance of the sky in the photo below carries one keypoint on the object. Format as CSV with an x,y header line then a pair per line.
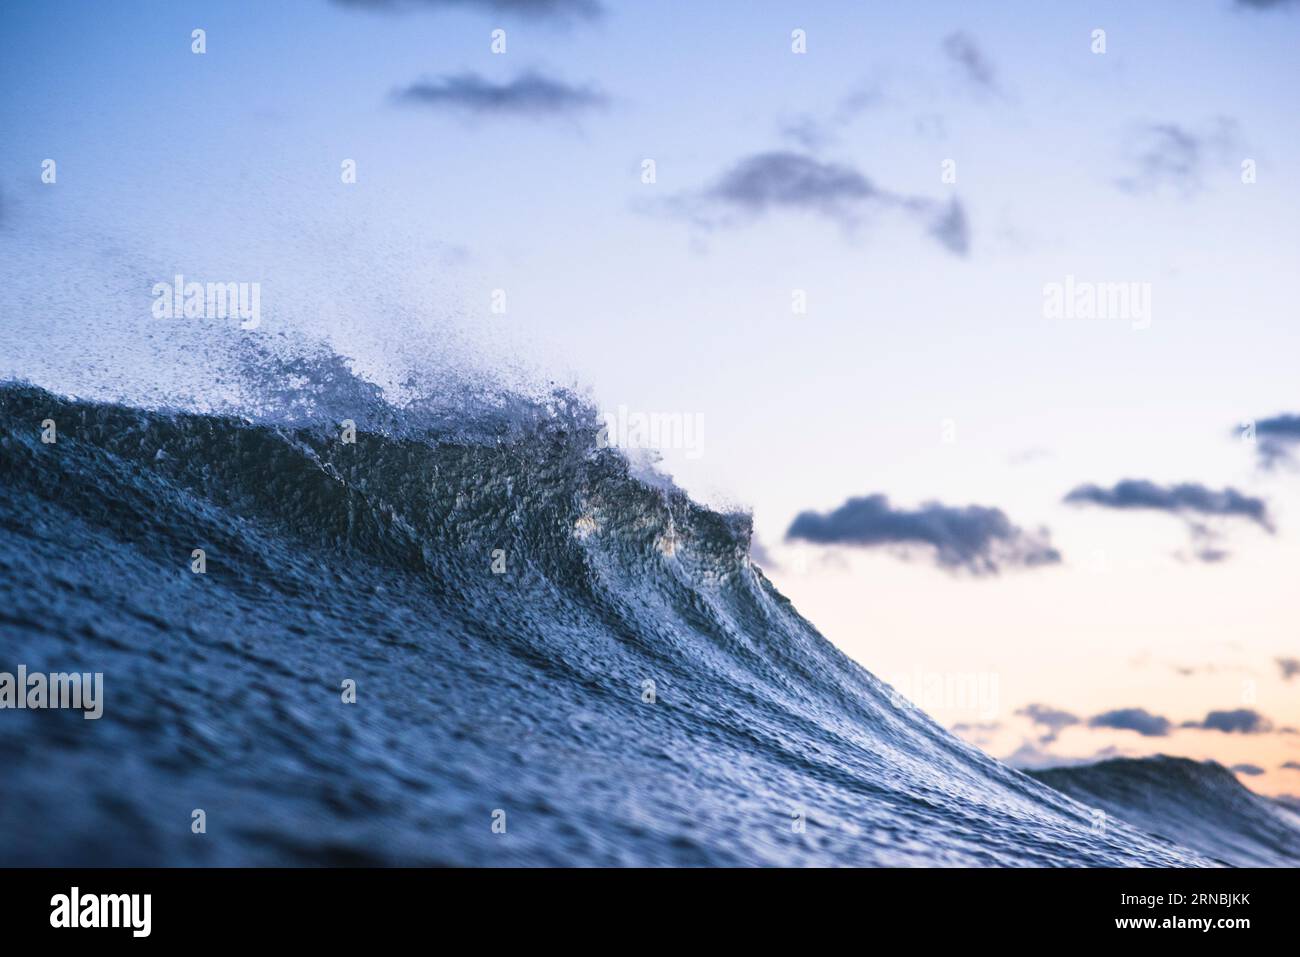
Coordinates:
x,y
849,271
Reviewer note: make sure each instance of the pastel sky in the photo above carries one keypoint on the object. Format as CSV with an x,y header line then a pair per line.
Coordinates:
x,y
915,179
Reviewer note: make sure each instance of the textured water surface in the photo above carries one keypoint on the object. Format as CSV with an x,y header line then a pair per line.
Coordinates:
x,y
525,692
1193,804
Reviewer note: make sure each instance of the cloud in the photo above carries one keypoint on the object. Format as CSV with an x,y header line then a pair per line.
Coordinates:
x,y
978,733
1276,438
960,47
1266,4
1290,667
1031,757
1251,769
974,538
1029,456
1188,500
540,9
529,94
1167,155
1183,499
1045,716
951,229
1211,668
781,180
812,133
1238,721
1290,766
1132,719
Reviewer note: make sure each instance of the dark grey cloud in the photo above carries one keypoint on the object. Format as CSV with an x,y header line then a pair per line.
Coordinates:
x,y
781,180
1276,439
961,48
973,538
1290,667
951,229
1053,720
1183,499
1237,721
1190,501
540,9
1132,719
1251,769
529,94
1171,156
1290,766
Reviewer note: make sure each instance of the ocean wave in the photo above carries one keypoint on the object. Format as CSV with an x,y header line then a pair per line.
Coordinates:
x,y
1195,804
554,661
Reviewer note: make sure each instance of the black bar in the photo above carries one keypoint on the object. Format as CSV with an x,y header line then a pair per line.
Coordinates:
x,y
333,906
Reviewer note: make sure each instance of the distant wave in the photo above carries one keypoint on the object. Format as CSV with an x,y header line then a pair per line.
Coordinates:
x,y
1200,805
629,689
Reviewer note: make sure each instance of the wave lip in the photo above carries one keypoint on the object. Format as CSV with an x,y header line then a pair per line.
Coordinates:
x,y
1200,805
531,628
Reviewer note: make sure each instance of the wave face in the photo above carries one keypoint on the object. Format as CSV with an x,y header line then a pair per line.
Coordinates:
x,y
1200,805
523,692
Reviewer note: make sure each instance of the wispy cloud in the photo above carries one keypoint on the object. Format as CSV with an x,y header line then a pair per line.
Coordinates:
x,y
813,133
951,229
767,181
1132,719
960,47
1053,720
978,733
1031,757
1276,439
1190,501
1187,497
781,180
1266,4
540,9
973,538
1171,156
1290,766
530,94
1290,667
1251,769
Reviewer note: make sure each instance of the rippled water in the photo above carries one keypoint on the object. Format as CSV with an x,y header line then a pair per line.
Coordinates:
x,y
1192,804
629,690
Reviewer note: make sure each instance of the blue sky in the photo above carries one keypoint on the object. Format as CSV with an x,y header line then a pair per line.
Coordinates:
x,y
919,371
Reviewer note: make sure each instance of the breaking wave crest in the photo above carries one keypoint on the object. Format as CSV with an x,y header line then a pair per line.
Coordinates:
x,y
555,661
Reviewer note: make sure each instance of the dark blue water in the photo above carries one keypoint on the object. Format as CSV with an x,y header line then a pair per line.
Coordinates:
x,y
1194,804
525,692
